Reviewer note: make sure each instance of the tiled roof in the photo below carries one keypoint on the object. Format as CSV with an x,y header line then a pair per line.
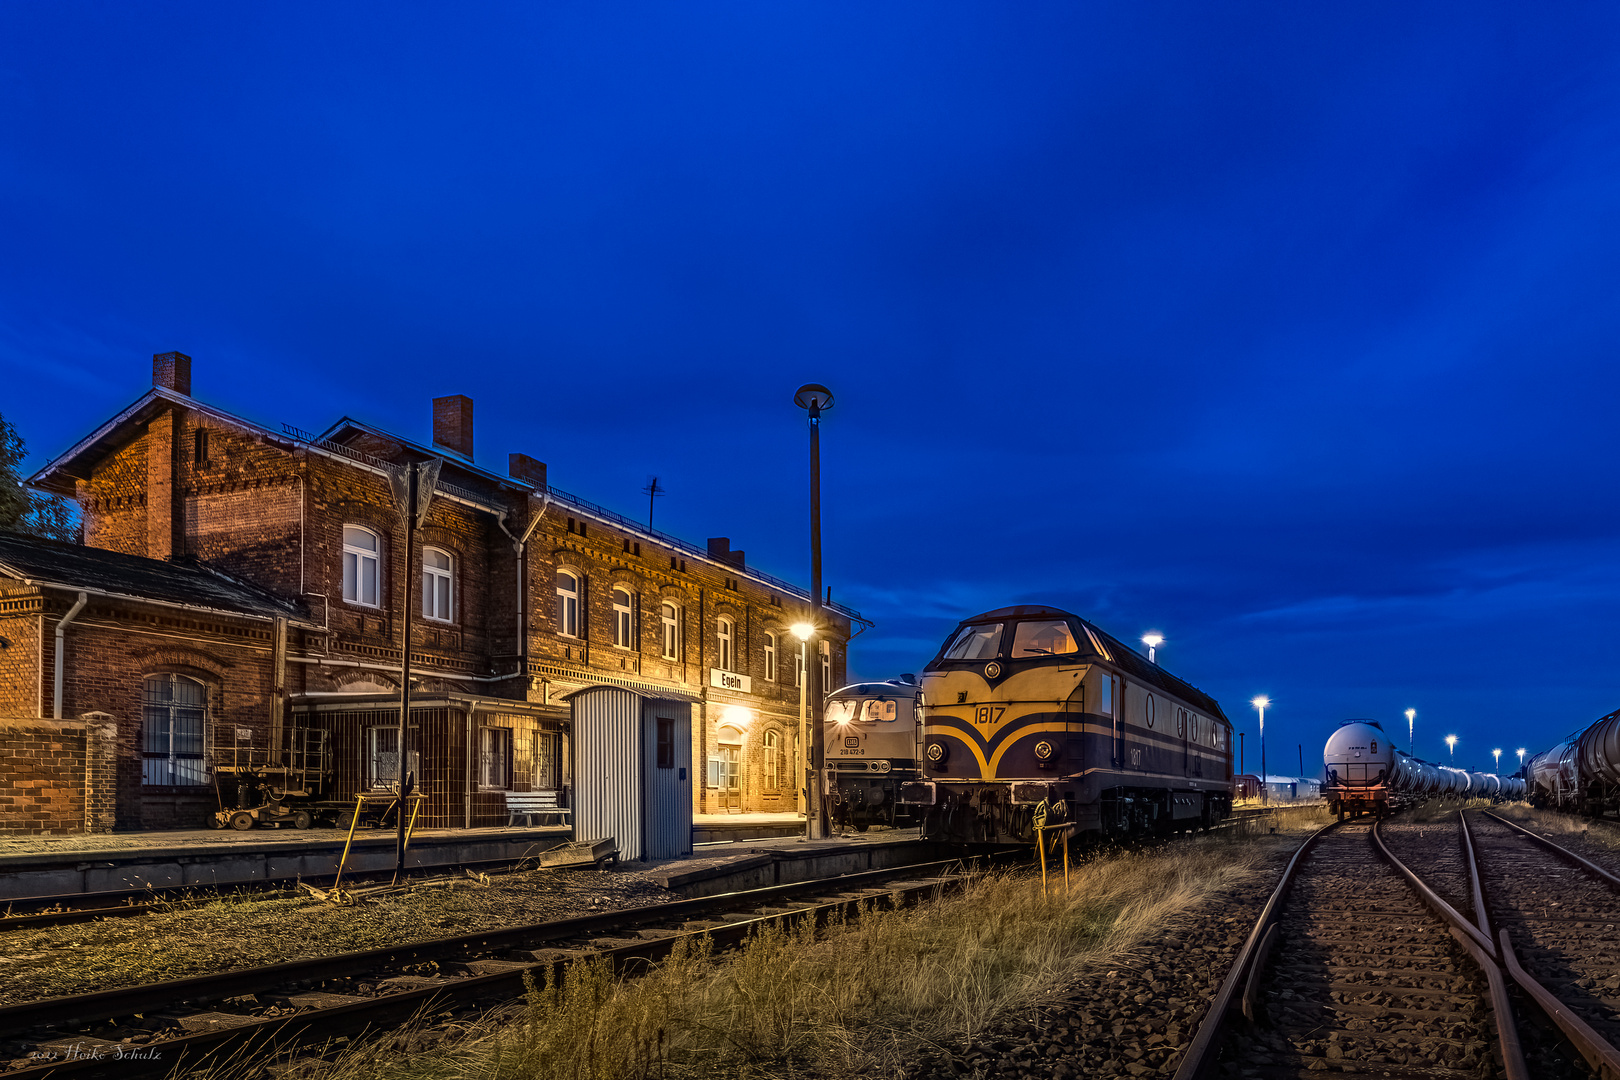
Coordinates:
x,y
112,573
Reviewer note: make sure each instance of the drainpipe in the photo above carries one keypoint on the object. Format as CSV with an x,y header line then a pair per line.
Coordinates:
x,y
61,644
521,547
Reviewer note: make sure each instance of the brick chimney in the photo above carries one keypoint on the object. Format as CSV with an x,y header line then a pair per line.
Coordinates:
x,y
525,468
720,550
453,424
172,371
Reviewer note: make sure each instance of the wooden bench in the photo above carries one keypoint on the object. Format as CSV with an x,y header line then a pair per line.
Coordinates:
x,y
532,804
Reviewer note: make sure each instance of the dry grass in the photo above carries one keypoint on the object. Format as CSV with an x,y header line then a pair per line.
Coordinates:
x,y
860,997
1605,834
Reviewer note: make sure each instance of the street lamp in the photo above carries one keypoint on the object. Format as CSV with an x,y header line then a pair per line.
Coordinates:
x,y
1521,757
1152,641
813,398
1411,747
1451,741
1261,703
804,632
1498,754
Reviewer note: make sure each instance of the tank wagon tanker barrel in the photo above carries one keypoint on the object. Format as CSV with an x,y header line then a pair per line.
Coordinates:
x,y
1581,774
1367,775
1034,716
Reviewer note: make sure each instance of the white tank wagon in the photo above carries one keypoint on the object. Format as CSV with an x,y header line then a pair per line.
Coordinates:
x,y
1365,774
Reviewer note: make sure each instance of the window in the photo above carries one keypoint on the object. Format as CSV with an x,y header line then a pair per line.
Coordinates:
x,y
624,619
199,446
382,759
877,711
1181,722
546,759
174,716
842,711
666,743
770,657
670,616
826,666
361,551
725,633
1147,709
438,585
1043,639
981,642
567,604
773,761
495,758
1105,695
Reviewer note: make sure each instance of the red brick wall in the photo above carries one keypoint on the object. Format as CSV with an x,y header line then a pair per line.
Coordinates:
x,y
42,781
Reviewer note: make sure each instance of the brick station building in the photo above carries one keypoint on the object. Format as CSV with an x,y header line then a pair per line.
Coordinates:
x,y
240,591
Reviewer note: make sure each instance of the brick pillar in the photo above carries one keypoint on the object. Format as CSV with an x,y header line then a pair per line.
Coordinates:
x,y
164,519
100,771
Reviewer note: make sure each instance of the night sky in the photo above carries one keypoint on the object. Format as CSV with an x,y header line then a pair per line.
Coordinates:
x,y
1284,330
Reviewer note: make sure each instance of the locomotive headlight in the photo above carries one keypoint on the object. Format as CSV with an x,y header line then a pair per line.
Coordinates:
x,y
1044,750
938,752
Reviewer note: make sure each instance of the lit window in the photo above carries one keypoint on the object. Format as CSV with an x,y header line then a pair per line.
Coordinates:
x,y
773,761
725,642
361,550
495,758
981,642
438,585
567,604
624,619
826,665
1043,639
174,717
770,657
670,616
877,711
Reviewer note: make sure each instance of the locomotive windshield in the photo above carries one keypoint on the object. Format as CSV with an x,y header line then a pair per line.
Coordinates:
x,y
876,710
981,642
1047,638
841,712
872,710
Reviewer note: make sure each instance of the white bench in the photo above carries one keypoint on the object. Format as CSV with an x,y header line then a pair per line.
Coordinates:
x,y
532,804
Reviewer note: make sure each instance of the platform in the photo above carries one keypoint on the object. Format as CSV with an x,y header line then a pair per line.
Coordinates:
x,y
106,862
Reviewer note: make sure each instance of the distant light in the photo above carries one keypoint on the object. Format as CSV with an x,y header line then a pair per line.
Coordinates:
x,y
738,716
803,631
1410,714
1152,641
1261,702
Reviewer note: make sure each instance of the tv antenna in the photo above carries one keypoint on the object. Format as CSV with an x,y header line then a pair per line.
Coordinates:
x,y
652,491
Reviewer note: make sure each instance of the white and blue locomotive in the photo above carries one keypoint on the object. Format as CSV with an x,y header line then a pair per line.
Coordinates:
x,y
870,732
1029,707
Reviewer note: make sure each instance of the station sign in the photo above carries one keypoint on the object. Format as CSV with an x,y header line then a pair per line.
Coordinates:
x,y
730,680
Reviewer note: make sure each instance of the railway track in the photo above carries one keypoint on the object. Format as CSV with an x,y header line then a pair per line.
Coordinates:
x,y
1419,955
272,1011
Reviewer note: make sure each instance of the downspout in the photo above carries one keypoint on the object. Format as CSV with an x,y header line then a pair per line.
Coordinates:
x,y
521,548
61,644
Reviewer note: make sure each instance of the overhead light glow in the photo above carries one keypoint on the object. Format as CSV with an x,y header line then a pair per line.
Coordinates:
x,y
1152,641
738,716
1261,702
803,631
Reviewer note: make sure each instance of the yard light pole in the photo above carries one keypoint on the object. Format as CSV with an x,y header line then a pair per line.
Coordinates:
x,y
804,632
1521,757
1152,641
1498,756
1451,741
1411,747
1260,703
813,398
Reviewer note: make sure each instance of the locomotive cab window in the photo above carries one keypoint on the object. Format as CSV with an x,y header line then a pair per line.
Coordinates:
x,y
841,712
1049,638
981,642
876,711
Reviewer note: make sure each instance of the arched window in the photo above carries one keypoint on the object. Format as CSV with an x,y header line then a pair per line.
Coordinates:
x,y
567,603
773,761
624,619
362,552
725,644
670,616
770,657
438,585
174,720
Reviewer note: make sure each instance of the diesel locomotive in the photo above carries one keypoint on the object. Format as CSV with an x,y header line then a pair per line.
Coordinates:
x,y
1367,775
1033,713
870,730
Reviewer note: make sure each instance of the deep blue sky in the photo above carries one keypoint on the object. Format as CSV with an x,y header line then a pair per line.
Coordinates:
x,y
1285,330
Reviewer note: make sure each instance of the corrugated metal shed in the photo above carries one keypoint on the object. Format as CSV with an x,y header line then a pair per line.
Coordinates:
x,y
632,779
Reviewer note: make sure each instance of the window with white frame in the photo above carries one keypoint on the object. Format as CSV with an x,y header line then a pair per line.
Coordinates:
x,y
382,759
725,644
773,761
770,657
624,619
670,617
495,758
826,666
567,603
438,585
362,554
547,761
174,718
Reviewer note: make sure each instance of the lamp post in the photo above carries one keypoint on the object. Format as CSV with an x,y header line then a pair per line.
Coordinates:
x,y
1260,703
1451,741
1411,746
1152,641
813,398
1521,757
804,632
1498,755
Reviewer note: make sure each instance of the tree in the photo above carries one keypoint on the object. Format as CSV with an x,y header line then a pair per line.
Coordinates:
x,y
23,511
